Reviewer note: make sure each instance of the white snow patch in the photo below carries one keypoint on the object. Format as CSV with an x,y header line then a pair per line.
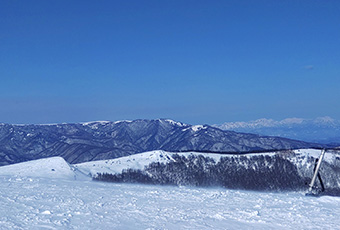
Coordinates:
x,y
46,212
117,122
195,128
180,124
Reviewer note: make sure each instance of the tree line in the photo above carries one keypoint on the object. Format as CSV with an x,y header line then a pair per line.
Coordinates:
x,y
272,173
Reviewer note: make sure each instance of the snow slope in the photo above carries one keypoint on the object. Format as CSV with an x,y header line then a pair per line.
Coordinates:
x,y
137,161
53,167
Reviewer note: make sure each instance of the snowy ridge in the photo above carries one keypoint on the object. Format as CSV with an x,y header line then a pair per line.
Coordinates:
x,y
195,128
177,123
137,161
95,122
117,122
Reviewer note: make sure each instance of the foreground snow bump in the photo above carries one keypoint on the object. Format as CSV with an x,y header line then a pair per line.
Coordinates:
x,y
53,167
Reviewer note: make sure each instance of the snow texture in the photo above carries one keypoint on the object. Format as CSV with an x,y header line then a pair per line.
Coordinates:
x,y
50,203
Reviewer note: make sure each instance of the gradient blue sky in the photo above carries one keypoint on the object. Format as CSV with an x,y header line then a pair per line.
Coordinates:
x,y
199,62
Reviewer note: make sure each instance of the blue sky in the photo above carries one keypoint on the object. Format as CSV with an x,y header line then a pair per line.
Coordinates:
x,y
199,62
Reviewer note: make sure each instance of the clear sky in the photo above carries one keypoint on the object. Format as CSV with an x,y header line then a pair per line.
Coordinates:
x,y
199,62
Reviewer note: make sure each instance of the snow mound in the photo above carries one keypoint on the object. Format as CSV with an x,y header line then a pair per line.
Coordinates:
x,y
53,167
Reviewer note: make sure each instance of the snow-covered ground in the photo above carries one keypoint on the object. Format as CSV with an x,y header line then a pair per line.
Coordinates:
x,y
51,194
43,203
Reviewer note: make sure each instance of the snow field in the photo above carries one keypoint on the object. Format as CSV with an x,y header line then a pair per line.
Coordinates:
x,y
42,203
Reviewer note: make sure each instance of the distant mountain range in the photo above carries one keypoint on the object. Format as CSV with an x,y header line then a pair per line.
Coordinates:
x,y
107,140
320,130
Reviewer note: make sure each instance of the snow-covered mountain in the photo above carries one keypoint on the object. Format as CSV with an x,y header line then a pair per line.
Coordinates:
x,y
320,130
107,140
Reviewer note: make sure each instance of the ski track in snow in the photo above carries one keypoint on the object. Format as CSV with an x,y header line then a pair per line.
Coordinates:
x,y
50,203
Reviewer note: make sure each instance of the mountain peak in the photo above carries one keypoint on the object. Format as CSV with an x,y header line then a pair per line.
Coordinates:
x,y
172,122
325,120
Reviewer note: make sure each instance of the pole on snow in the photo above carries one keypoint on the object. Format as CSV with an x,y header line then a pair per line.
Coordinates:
x,y
311,185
